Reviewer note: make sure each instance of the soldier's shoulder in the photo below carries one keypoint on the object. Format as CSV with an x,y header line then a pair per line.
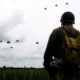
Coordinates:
x,y
57,30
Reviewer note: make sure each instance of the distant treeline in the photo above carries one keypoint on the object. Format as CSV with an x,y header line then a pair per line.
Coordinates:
x,y
21,67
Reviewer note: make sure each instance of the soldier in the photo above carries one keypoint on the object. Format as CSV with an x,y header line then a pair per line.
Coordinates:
x,y
57,46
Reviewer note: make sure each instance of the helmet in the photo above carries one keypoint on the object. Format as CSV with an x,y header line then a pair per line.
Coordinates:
x,y
68,17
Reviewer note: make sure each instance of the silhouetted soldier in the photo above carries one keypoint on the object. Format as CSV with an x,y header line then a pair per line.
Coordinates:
x,y
57,46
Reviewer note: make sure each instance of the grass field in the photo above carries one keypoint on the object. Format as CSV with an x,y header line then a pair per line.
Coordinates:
x,y
23,74
27,74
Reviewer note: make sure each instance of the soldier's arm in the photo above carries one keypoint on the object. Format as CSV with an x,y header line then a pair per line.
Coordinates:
x,y
53,47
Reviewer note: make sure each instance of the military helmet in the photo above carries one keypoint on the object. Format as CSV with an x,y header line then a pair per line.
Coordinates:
x,y
67,17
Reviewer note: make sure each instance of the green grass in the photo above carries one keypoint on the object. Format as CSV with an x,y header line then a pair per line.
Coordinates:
x,y
27,74
23,74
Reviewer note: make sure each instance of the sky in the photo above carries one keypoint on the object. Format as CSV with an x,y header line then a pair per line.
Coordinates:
x,y
31,22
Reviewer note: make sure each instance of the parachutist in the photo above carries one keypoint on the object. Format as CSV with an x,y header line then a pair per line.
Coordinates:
x,y
17,40
56,5
0,41
8,42
67,3
11,47
45,8
37,42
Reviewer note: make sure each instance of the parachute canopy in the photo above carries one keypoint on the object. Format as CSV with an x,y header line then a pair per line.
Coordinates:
x,y
45,8
37,42
56,5
11,47
8,42
0,40
67,3
17,40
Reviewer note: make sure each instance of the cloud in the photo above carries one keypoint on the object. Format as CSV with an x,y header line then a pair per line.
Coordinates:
x,y
7,27
10,16
12,57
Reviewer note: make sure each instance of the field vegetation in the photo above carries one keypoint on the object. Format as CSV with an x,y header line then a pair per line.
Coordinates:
x,y
23,74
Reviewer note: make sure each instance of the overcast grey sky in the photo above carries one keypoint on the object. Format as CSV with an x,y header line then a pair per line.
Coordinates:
x,y
30,21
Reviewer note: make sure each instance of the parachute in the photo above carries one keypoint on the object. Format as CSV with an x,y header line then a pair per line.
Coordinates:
x,y
0,40
67,3
17,40
45,8
11,47
56,5
37,42
8,42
